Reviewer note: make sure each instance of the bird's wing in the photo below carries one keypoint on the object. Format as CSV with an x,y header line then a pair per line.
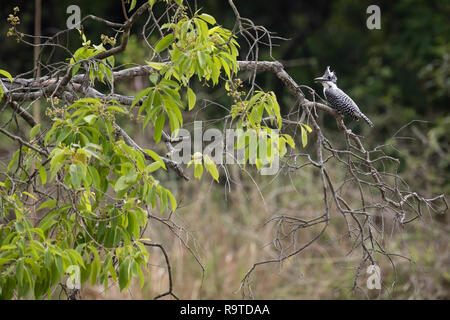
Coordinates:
x,y
341,101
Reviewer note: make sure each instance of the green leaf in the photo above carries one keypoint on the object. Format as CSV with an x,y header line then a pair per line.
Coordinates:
x,y
34,131
141,275
48,204
282,148
256,114
96,265
28,276
276,108
90,119
140,161
19,227
207,18
211,167
152,167
152,2
159,125
155,157
226,67
145,106
307,127
201,58
42,174
29,194
6,74
173,201
96,182
121,184
198,171
156,65
76,174
255,98
14,159
124,274
202,29
304,137
124,182
140,95
19,270
112,271
75,256
58,158
47,222
154,78
133,4
117,109
164,43
289,140
191,98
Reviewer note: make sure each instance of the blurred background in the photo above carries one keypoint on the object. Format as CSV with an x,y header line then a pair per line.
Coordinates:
x,y
397,74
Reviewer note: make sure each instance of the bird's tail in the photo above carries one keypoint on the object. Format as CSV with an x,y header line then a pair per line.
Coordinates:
x,y
367,120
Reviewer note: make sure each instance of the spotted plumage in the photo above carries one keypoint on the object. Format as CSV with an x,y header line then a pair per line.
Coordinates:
x,y
338,99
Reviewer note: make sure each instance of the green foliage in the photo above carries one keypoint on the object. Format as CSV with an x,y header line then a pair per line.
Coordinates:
x,y
98,69
110,186
105,186
199,160
151,2
161,100
8,75
251,111
304,128
253,131
197,47
194,50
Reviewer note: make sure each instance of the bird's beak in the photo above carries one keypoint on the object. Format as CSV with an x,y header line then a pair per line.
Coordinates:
x,y
319,79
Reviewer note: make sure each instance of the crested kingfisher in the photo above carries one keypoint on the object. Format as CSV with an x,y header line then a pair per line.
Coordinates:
x,y
338,99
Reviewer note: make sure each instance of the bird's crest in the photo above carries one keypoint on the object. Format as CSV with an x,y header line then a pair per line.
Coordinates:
x,y
330,75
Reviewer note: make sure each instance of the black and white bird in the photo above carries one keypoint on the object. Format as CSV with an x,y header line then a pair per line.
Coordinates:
x,y
338,99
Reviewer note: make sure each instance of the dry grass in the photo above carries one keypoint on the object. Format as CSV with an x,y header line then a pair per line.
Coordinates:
x,y
226,231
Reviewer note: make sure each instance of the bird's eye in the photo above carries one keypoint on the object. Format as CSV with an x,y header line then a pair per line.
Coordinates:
x,y
329,77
